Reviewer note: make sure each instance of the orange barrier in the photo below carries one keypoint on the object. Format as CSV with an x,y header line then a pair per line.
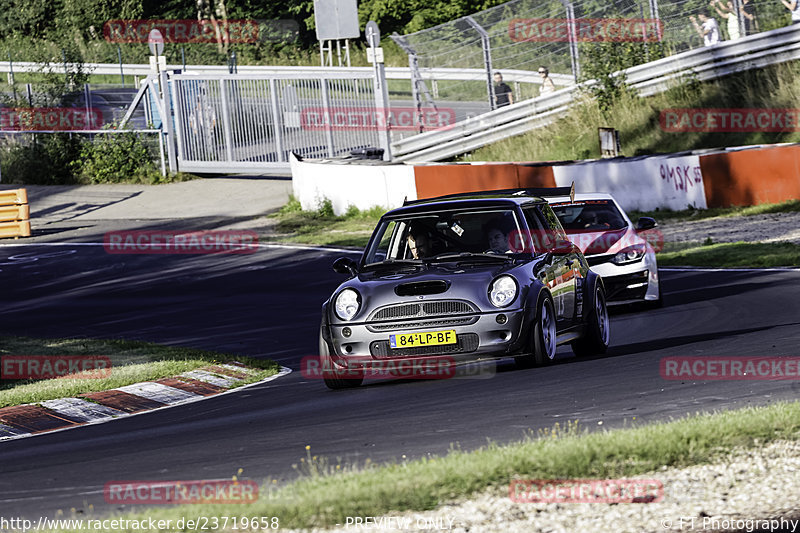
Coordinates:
x,y
440,180
751,177
743,177
14,214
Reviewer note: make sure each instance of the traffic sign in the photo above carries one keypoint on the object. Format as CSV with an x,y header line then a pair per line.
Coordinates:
x,y
156,42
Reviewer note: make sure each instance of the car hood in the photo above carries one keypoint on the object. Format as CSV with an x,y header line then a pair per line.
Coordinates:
x,y
442,281
604,242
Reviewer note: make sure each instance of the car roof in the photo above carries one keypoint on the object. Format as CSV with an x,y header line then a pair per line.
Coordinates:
x,y
462,203
482,199
581,197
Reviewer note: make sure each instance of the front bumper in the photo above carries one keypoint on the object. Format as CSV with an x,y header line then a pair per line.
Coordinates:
x,y
478,335
633,282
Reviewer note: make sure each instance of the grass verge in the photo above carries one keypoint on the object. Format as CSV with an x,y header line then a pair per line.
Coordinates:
x,y
735,254
131,362
638,120
327,493
323,227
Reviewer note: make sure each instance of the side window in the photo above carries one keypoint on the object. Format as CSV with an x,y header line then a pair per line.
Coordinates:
x,y
382,251
539,232
552,221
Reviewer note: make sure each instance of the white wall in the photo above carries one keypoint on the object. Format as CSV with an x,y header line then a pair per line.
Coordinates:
x,y
359,184
666,182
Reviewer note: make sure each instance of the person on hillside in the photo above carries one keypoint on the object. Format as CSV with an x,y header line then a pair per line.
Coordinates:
x,y
502,92
726,11
794,7
707,28
547,83
749,14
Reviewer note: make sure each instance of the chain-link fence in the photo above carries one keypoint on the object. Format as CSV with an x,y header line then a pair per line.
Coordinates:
x,y
558,34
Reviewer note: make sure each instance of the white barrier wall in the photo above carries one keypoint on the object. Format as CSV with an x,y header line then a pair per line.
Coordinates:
x,y
363,185
643,185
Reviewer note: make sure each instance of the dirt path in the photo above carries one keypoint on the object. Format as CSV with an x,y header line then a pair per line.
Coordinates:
x,y
771,227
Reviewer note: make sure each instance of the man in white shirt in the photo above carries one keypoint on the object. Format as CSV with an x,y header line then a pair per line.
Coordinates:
x,y
707,28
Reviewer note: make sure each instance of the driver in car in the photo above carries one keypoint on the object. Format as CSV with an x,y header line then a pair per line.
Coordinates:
x,y
418,244
497,232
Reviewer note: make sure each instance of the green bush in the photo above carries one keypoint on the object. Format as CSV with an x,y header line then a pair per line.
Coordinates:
x,y
116,158
44,160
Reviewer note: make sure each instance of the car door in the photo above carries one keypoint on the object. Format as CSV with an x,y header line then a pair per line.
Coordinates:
x,y
547,234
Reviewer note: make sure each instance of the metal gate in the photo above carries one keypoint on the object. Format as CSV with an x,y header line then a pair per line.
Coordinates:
x,y
251,122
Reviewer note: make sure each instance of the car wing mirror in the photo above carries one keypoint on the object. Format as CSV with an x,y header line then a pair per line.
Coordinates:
x,y
645,223
345,265
562,246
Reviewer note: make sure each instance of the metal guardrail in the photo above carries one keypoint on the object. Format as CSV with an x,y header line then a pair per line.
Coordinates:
x,y
756,51
392,73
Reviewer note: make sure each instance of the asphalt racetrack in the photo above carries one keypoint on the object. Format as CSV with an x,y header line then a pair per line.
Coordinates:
x,y
267,304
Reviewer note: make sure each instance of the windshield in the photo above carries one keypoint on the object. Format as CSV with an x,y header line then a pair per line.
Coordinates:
x,y
589,215
443,234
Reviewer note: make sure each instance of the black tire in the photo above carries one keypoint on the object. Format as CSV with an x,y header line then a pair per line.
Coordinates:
x,y
595,340
542,346
336,379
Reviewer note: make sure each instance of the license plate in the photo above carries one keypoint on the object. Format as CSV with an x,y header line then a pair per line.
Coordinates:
x,y
424,338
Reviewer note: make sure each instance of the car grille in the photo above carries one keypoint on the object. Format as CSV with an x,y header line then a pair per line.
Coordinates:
x,y
617,286
467,342
599,259
422,309
424,324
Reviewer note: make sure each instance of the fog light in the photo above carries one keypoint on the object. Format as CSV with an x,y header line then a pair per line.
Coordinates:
x,y
348,348
346,332
501,319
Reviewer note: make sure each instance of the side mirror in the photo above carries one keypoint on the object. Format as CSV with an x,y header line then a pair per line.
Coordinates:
x,y
645,223
345,265
562,246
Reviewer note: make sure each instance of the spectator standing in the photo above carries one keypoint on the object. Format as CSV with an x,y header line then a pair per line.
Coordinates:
x,y
547,83
794,7
749,14
707,28
726,11
502,92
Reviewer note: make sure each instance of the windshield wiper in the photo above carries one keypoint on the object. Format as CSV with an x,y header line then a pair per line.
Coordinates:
x,y
468,256
393,263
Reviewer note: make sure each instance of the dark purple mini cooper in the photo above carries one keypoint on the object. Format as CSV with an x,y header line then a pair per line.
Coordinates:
x,y
468,277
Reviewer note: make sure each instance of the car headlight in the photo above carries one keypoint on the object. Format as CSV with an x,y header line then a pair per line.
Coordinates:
x,y
503,291
630,254
347,304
